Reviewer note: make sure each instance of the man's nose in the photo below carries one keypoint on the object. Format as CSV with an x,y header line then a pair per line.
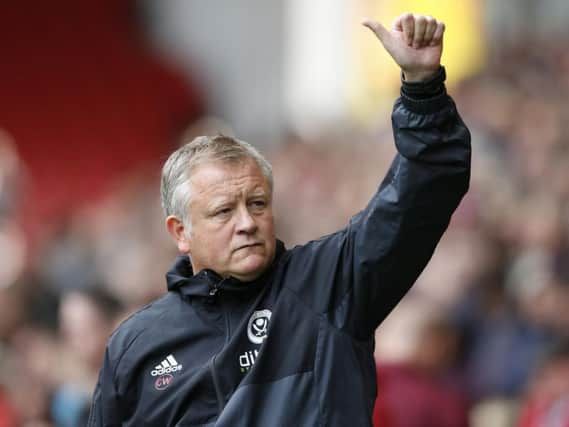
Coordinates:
x,y
245,221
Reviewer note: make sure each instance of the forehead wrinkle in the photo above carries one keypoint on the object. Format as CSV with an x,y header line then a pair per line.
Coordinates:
x,y
228,186
219,182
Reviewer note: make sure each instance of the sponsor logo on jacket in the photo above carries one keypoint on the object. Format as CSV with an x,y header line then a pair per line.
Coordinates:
x,y
164,372
247,360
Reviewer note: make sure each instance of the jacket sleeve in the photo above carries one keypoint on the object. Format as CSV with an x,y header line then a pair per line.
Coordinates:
x,y
357,275
105,409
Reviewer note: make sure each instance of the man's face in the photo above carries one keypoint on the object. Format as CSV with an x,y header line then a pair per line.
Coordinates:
x,y
232,226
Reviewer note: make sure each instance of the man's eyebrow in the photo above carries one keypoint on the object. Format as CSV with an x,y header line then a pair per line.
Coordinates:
x,y
258,191
220,199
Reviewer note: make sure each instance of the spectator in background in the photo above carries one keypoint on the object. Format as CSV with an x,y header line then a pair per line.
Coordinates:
x,y
427,378
86,318
547,400
11,174
8,416
28,369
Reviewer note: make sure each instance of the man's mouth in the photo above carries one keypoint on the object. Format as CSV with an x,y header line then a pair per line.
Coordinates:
x,y
248,245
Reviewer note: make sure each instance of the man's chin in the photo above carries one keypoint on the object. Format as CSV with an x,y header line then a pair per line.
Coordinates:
x,y
250,268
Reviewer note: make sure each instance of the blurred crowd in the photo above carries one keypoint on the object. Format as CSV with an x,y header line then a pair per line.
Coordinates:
x,y
481,340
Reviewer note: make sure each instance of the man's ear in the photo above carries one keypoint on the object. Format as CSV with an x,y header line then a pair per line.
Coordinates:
x,y
177,230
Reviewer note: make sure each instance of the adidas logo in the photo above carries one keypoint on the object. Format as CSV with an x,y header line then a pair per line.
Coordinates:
x,y
167,366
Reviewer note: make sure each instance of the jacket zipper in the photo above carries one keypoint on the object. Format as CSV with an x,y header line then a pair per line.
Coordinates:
x,y
220,398
216,385
216,286
214,289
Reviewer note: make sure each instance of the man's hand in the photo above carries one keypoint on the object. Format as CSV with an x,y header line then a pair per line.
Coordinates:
x,y
415,42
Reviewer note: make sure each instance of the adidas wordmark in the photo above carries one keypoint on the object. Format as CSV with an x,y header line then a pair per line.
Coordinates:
x,y
167,366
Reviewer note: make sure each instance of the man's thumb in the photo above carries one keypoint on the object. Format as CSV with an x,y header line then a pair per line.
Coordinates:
x,y
379,30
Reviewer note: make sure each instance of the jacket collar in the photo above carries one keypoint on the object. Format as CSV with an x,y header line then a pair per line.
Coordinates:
x,y
207,283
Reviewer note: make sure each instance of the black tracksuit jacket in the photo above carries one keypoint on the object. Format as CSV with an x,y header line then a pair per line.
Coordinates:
x,y
295,347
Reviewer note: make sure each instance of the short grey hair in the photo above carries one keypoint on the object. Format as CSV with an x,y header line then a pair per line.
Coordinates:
x,y
175,190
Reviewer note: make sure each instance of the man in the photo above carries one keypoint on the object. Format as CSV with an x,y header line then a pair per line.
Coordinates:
x,y
252,334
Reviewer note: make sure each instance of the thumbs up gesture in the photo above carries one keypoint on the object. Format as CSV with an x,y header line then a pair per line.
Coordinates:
x,y
415,42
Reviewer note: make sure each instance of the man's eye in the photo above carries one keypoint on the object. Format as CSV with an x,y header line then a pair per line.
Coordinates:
x,y
258,204
222,212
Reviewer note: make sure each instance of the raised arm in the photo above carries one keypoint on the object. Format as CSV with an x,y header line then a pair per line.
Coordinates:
x,y
357,275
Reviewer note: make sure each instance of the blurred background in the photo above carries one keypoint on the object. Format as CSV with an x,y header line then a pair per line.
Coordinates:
x,y
96,94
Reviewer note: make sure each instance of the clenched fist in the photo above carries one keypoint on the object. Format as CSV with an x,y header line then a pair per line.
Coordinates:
x,y
415,42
